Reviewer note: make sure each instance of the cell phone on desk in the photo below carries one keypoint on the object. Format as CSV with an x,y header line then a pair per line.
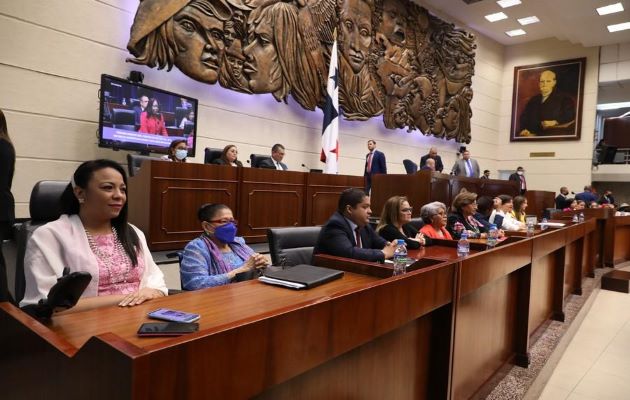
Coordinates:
x,y
167,328
166,314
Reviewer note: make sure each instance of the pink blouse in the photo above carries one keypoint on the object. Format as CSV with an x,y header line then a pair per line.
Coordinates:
x,y
126,278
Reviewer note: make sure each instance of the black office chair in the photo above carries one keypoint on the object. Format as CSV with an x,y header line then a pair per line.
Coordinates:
x,y
124,119
257,159
134,162
44,206
410,166
549,212
211,155
417,223
292,246
180,113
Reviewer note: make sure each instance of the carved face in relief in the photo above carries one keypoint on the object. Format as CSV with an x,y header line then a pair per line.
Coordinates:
x,y
394,22
356,28
200,43
262,65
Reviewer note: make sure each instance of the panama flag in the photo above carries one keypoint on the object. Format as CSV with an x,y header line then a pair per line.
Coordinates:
x,y
330,129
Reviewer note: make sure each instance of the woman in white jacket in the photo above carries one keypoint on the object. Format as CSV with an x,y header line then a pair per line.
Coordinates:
x,y
93,235
505,210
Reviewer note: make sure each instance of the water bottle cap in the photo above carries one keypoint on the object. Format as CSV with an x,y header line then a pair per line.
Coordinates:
x,y
464,234
400,241
493,226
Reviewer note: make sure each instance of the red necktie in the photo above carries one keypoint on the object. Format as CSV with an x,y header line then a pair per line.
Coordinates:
x,y
357,236
369,163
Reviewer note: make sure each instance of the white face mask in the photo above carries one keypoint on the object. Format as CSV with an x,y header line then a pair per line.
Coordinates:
x,y
519,172
180,154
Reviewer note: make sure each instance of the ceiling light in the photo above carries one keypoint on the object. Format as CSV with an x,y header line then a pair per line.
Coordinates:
x,y
528,20
611,9
612,106
515,32
496,17
508,3
619,27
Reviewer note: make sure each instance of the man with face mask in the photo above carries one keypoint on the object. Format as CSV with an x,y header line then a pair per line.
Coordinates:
x,y
218,255
519,177
562,200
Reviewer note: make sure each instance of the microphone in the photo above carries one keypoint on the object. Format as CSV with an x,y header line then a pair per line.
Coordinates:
x,y
307,168
248,162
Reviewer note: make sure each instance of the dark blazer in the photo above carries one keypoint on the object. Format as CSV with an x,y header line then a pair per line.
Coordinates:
x,y
379,165
457,217
219,161
391,233
563,202
337,239
516,178
438,162
7,167
268,163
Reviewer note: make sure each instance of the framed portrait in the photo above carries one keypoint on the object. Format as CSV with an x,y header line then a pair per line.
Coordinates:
x,y
547,101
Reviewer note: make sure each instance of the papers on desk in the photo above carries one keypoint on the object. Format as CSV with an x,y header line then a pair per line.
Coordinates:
x,y
279,282
552,224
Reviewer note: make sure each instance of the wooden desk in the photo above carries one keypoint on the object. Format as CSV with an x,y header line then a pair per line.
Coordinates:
x,y
440,331
621,233
164,198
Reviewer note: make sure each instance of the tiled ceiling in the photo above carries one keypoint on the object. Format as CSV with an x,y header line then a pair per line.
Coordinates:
x,y
572,20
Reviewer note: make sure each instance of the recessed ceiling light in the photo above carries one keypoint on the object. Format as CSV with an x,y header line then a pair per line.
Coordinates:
x,y
508,3
619,27
611,9
496,17
528,20
515,32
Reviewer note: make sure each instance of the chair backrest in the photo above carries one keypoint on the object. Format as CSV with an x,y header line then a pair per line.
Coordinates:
x,y
256,159
410,166
124,119
292,246
549,212
180,113
417,223
211,155
45,206
134,162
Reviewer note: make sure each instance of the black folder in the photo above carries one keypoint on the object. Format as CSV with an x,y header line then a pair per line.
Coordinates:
x,y
308,275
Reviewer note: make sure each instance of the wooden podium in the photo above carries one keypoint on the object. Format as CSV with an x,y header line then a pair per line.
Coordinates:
x,y
164,198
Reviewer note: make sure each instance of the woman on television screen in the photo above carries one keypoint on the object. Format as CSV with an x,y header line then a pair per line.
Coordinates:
x,y
152,120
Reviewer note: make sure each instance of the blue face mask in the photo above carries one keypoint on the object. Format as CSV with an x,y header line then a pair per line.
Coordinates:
x,y
180,154
225,233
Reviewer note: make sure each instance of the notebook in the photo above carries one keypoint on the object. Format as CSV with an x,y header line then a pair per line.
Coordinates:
x,y
301,276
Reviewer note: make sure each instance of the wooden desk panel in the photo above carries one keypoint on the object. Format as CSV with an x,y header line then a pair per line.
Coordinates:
x,y
416,187
538,201
621,252
322,195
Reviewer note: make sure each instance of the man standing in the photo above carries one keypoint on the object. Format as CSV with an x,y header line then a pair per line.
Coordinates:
x,y
275,162
434,155
519,176
548,113
374,164
587,195
466,166
562,201
486,174
348,232
607,198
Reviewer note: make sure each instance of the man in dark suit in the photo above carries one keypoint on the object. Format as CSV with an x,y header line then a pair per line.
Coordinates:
x,y
139,109
275,162
466,166
348,232
434,155
562,200
519,176
374,164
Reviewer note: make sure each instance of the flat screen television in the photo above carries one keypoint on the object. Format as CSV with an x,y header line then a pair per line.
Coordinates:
x,y
126,123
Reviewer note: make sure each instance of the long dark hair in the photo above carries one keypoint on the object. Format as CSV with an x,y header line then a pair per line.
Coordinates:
x,y
149,109
4,132
224,153
70,204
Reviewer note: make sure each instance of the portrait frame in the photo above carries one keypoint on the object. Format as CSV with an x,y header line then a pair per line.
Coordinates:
x,y
559,117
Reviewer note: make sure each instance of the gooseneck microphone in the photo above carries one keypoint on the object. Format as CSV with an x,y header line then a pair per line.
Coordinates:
x,y
305,166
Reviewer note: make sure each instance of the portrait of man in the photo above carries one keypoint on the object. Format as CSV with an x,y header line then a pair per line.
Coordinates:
x,y
547,101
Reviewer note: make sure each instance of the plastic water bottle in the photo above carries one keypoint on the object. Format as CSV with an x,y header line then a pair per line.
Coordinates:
x,y
124,102
400,257
581,217
493,235
543,224
575,218
463,245
530,228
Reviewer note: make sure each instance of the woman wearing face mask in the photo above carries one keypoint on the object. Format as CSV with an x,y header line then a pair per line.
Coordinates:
x,y
177,151
216,256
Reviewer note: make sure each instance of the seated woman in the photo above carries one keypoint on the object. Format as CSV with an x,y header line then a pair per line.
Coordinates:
x,y
177,151
229,157
394,223
152,120
188,119
434,217
462,217
572,206
93,236
520,207
215,257
505,210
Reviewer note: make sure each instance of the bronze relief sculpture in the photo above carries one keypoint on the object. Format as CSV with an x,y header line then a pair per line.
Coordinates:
x,y
395,58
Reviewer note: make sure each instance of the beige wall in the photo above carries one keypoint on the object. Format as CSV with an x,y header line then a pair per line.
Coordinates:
x,y
50,69
571,165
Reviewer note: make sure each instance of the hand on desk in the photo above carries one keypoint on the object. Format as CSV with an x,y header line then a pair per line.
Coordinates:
x,y
388,250
420,238
139,297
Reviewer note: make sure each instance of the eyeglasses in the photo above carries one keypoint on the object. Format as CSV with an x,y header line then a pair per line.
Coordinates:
x,y
223,221
406,210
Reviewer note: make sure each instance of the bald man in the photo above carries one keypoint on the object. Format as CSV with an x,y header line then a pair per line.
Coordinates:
x,y
549,113
434,155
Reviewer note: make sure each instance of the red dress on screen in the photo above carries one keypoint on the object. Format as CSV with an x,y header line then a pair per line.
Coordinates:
x,y
152,124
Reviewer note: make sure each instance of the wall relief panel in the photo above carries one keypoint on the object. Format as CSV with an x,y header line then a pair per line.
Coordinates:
x,y
395,59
